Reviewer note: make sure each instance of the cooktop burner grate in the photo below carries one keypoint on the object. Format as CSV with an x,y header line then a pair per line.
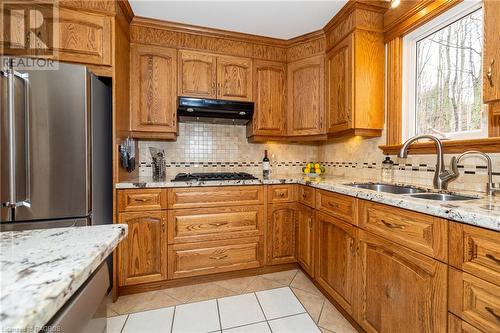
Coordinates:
x,y
213,176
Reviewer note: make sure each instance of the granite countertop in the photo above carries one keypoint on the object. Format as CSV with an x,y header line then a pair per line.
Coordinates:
x,y
483,212
41,269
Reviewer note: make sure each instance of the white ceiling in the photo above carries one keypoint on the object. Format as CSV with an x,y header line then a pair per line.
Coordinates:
x,y
279,19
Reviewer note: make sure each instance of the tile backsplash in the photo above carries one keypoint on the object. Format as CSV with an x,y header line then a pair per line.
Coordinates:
x,y
206,148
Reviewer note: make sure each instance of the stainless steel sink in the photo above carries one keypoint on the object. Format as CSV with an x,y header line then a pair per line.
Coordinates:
x,y
389,188
442,197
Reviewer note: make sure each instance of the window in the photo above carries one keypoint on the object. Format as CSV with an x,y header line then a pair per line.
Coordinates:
x,y
442,79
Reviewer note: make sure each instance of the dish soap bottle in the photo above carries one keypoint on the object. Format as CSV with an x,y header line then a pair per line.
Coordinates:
x,y
266,167
387,170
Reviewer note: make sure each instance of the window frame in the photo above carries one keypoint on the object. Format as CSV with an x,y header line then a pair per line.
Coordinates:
x,y
409,43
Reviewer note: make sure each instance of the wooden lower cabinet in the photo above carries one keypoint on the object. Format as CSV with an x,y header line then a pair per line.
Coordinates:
x,y
281,219
143,254
474,300
399,290
305,238
207,224
336,258
214,257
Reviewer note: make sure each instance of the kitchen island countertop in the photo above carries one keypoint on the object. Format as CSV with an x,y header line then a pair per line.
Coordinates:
x,y
41,269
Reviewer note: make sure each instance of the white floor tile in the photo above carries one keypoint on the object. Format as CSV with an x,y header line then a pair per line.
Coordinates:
x,y
239,310
115,324
301,323
279,302
254,328
153,321
199,317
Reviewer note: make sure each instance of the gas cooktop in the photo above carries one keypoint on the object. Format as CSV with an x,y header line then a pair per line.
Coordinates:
x,y
212,176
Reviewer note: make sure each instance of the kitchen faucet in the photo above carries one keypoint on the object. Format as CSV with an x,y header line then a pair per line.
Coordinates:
x,y
490,186
441,176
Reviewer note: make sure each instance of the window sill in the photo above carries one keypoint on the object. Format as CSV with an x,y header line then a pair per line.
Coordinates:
x,y
487,145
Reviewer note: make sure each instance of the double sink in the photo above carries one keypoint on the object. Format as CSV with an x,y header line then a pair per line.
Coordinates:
x,y
413,192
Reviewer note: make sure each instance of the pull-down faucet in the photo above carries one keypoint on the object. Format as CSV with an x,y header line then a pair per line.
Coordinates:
x,y
490,186
441,176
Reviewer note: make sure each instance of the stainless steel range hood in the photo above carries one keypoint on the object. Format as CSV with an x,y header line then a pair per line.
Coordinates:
x,y
214,111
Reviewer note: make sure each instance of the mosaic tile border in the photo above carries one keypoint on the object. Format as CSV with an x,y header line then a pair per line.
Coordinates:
x,y
469,170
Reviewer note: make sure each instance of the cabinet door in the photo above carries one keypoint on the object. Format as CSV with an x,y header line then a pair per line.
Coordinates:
x,y
234,78
399,290
335,258
281,233
339,87
306,96
305,234
269,79
76,36
197,75
491,57
154,88
143,254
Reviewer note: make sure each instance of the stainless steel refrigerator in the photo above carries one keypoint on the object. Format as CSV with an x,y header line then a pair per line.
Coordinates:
x,y
56,147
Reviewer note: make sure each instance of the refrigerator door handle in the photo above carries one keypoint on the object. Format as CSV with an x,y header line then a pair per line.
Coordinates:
x,y
27,169
11,203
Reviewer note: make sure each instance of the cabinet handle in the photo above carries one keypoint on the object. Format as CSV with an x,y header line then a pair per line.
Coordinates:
x,y
140,199
218,224
310,223
349,116
492,257
489,74
218,257
392,225
333,205
282,194
214,88
303,195
490,310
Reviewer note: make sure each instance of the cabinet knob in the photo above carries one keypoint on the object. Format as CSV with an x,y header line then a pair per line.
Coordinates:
x,y
489,74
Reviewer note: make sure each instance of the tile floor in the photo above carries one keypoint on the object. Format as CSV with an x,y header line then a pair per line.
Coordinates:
x,y
277,302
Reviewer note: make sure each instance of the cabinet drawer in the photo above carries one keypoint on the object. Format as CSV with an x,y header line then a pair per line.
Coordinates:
x,y
306,195
423,233
194,225
215,196
475,251
214,257
457,325
338,205
474,300
142,199
281,193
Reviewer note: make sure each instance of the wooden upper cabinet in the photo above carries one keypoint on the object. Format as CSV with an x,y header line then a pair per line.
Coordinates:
x,y
305,238
234,78
269,91
491,56
355,85
153,89
143,254
197,75
335,261
83,37
399,290
306,96
339,86
76,36
281,233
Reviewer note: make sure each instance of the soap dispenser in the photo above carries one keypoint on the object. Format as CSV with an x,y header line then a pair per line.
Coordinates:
x,y
387,170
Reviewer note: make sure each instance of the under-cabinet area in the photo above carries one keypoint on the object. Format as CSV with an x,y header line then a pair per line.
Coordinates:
x,y
389,269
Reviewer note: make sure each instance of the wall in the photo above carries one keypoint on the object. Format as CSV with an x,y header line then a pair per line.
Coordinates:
x,y
363,154
207,148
